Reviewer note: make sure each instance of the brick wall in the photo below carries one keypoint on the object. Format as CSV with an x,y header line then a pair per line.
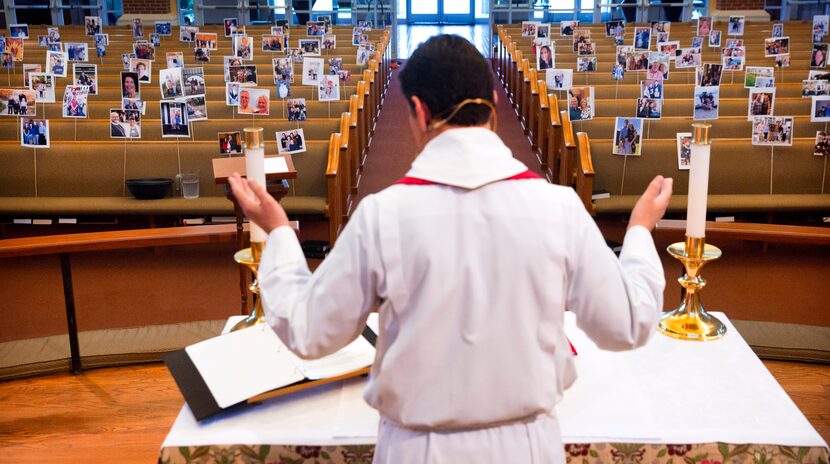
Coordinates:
x,y
737,4
146,6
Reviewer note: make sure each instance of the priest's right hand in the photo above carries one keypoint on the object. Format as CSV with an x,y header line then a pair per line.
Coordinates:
x,y
652,205
257,204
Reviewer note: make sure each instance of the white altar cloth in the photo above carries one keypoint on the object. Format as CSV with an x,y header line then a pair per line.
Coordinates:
x,y
669,392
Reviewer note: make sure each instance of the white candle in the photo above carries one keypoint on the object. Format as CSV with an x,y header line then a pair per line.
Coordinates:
x,y
698,191
255,170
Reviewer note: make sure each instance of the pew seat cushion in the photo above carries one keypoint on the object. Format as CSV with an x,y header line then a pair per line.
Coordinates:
x,y
727,203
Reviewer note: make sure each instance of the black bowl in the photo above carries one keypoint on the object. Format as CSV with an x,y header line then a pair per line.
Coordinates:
x,y
149,189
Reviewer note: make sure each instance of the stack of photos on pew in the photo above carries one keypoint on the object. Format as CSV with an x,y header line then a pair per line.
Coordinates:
x,y
182,88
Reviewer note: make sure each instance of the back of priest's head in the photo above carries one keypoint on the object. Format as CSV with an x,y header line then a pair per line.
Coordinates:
x,y
445,71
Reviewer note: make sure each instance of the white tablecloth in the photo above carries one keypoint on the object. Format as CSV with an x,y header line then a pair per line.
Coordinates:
x,y
669,392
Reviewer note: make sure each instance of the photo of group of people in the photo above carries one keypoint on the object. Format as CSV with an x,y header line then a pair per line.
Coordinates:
x,y
814,88
296,109
627,137
581,103
820,109
289,142
772,130
775,46
761,102
684,151
14,102
34,132
75,101
752,74
229,143
254,101
706,102
125,124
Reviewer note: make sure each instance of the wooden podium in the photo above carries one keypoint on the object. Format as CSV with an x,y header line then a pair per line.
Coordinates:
x,y
276,182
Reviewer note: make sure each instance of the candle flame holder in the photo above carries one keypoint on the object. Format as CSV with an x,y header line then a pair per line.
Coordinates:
x,y
690,321
250,258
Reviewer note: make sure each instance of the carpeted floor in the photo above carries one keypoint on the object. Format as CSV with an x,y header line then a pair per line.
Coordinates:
x,y
393,147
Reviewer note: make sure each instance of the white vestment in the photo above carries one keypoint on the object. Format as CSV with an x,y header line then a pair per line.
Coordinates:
x,y
471,274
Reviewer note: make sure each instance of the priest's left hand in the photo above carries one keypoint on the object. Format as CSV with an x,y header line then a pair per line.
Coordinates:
x,y
260,207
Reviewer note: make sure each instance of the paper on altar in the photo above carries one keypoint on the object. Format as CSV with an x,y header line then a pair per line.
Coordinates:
x,y
242,364
275,164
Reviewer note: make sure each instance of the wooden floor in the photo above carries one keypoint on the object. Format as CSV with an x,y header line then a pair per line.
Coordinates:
x,y
123,414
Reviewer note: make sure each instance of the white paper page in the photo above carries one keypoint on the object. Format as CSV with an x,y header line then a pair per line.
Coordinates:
x,y
356,355
276,164
355,418
242,364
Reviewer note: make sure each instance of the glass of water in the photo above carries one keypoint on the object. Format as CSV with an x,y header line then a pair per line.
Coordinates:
x,y
190,185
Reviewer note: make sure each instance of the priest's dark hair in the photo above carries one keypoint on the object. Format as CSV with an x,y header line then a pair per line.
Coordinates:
x,y
444,71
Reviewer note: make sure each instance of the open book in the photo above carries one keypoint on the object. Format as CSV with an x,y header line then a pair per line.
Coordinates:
x,y
249,365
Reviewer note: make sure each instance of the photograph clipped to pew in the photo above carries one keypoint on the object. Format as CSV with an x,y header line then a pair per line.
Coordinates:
x,y
820,109
188,33
310,47
778,30
706,102
7,60
92,25
822,147
586,49
34,133
733,42
658,66
709,75
143,68
194,81
28,69
245,75
206,40
814,88
761,103
660,27
86,74
295,54
617,72
543,31
627,140
697,42
329,88
134,104
228,62
545,57
174,119
581,103
329,42
649,108
230,25
101,43
782,61
290,142
77,51
704,25
155,39
566,28
315,28
174,59
819,57
44,86
733,59
229,143
614,28
273,43
642,38
559,79
201,55
138,28
144,51
232,93
164,28
75,101
312,70
243,47
586,63
689,58
736,25
772,131
20,31
714,39
254,101
821,27
684,150
56,63
580,36
196,108
125,124
335,65
775,46
283,88
651,89
635,61
170,83
130,86
15,47
752,73
296,109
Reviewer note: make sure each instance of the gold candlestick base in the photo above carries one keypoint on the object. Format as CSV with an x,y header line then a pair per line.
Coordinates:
x,y
250,258
690,321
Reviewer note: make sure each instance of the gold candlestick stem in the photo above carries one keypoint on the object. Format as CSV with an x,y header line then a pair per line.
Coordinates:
x,y
250,257
690,321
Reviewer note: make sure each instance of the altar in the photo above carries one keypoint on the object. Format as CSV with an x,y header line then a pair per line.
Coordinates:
x,y
634,406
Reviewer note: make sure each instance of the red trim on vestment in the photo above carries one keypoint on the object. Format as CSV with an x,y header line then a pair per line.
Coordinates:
x,y
416,181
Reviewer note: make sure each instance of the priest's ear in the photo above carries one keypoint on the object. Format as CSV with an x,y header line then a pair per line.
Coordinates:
x,y
420,115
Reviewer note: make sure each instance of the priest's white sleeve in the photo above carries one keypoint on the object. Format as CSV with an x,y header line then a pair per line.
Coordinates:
x,y
617,301
317,314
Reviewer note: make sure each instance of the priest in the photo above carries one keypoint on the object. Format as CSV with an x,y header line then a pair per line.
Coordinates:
x,y
471,261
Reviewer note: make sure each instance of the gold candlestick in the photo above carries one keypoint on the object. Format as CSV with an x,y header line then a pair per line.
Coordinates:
x,y
250,257
690,321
